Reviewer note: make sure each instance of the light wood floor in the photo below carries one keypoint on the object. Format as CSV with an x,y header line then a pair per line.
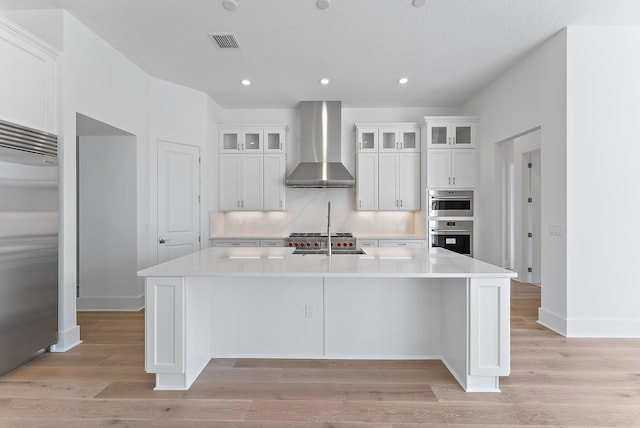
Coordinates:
x,y
554,381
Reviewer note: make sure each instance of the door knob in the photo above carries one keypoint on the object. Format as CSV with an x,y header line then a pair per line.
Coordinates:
x,y
162,240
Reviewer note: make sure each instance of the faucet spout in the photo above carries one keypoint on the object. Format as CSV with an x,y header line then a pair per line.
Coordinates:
x,y
329,229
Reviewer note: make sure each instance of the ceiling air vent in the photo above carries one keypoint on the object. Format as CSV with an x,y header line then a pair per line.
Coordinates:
x,y
225,40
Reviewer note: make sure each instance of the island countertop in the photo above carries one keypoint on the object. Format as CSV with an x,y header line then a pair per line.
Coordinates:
x,y
281,262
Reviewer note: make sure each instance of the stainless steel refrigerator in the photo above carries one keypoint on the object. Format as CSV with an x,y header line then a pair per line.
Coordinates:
x,y
28,243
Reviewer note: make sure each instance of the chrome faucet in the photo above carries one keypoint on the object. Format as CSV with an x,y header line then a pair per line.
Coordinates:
x,y
329,229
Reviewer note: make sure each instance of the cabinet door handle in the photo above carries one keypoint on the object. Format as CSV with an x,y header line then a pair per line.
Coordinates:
x,y
454,181
397,203
360,146
280,203
400,203
449,180
360,203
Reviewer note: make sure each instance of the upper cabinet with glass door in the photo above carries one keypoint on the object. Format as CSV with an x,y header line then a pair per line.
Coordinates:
x,y
274,140
240,140
252,139
451,132
400,138
366,139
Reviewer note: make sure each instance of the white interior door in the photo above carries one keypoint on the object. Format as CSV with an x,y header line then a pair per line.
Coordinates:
x,y
178,200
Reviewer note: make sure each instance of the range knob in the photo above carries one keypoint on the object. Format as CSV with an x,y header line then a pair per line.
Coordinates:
x,y
316,244
351,244
308,244
291,244
339,244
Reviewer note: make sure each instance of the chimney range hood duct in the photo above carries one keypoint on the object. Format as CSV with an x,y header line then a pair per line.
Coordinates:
x,y
320,153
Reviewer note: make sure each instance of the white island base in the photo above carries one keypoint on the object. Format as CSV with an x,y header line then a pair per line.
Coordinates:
x,y
269,303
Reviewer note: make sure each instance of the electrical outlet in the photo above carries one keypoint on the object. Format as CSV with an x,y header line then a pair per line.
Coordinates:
x,y
555,230
309,310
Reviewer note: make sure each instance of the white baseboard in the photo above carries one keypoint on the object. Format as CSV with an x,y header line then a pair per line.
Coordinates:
x,y
67,339
590,328
127,304
552,321
604,328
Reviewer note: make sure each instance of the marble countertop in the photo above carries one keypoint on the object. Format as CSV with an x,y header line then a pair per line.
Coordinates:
x,y
281,262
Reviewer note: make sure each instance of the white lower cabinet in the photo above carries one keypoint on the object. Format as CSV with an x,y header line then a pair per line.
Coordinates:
x,y
415,243
235,242
272,243
367,243
399,181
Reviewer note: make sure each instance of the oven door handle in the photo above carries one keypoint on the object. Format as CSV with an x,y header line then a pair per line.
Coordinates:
x,y
460,198
450,232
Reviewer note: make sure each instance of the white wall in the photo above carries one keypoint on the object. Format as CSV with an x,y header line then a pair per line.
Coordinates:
x,y
306,208
582,88
107,224
531,94
178,115
99,82
603,150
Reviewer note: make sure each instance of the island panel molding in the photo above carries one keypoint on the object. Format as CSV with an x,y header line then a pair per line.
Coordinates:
x,y
213,303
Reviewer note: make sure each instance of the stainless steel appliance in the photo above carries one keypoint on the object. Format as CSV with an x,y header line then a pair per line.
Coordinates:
x,y
316,243
454,235
28,243
320,147
450,203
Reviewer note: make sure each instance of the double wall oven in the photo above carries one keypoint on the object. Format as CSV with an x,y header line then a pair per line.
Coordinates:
x,y
450,222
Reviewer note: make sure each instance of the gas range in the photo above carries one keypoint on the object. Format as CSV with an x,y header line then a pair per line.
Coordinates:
x,y
312,242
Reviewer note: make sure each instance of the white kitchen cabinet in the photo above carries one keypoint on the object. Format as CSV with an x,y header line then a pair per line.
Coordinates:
x,y
367,182
274,140
239,140
451,168
28,84
403,138
252,168
272,243
367,139
388,167
274,182
459,132
232,242
241,178
415,243
399,181
367,243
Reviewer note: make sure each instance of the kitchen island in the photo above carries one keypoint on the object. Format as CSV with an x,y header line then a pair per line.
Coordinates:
x,y
390,303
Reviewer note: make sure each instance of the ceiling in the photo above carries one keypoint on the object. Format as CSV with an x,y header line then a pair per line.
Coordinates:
x,y
448,49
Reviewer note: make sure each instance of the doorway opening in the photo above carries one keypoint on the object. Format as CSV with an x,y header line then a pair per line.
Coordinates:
x,y
518,160
106,258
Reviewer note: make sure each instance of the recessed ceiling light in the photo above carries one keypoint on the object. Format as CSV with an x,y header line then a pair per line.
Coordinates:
x,y
323,4
403,80
232,5
246,82
324,81
419,3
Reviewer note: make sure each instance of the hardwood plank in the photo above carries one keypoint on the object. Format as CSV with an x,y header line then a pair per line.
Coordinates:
x,y
311,391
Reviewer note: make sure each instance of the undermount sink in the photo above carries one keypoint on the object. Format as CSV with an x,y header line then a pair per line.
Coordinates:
x,y
355,251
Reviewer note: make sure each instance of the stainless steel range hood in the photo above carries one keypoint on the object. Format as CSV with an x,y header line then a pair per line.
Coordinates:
x,y
320,153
